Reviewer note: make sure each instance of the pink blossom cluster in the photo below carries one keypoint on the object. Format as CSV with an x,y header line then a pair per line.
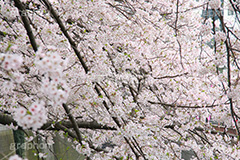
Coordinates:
x,y
33,118
7,11
56,89
16,157
214,4
220,37
50,63
10,61
234,92
84,148
206,29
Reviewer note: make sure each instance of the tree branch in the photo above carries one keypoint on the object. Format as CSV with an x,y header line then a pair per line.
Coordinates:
x,y
63,29
50,125
23,14
74,123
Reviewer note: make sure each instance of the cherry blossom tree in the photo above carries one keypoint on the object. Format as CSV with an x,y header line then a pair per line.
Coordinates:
x,y
123,79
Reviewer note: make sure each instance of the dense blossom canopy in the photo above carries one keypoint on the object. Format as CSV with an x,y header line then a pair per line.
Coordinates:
x,y
123,78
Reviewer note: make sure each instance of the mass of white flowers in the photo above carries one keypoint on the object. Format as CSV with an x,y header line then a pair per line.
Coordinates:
x,y
122,79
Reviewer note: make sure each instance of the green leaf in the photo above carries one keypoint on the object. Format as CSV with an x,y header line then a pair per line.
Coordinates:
x,y
66,134
4,34
8,47
136,110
